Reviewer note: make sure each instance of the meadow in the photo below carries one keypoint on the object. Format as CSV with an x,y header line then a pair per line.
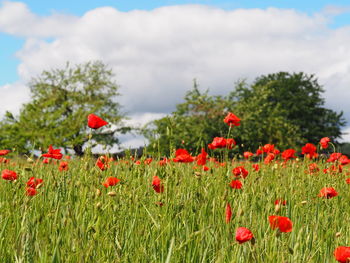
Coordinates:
x,y
183,209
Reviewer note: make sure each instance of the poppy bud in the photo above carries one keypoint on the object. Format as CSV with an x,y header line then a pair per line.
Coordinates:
x,y
112,193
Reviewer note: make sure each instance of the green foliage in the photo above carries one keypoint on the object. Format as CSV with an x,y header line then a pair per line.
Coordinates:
x,y
285,109
282,108
68,222
61,100
194,123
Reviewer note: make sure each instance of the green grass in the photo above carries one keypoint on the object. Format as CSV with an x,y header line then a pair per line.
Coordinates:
x,y
69,222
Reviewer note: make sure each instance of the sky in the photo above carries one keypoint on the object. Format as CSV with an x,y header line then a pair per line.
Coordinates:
x,y
156,48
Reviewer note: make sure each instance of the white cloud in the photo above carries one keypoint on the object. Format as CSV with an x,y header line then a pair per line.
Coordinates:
x,y
156,54
12,97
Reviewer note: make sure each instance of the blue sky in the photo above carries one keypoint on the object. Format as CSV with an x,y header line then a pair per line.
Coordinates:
x,y
10,44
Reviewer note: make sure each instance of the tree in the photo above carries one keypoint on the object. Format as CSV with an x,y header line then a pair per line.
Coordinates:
x,y
285,109
281,108
193,125
61,100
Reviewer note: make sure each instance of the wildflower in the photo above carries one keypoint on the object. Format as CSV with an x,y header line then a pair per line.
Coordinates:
x,y
269,158
256,167
163,162
309,150
9,175
220,142
344,160
347,180
240,171
247,155
103,162
53,153
157,186
30,191
328,192
228,212
46,160
243,235
63,166
313,168
202,158
342,254
288,154
284,224
232,120
236,184
280,202
182,156
148,161
334,157
4,152
95,122
34,182
111,181
324,142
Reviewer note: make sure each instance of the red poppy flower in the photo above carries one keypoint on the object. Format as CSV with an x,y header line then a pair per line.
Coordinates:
x,y
236,184
268,148
46,160
240,171
202,158
182,156
232,120
284,224
163,162
148,161
328,192
256,167
103,162
309,150
324,142
111,181
95,122
259,152
53,153
334,157
157,186
63,166
228,213
220,142
30,191
243,235
288,154
34,182
4,152
9,175
344,160
342,254
269,158
313,168
280,202
347,180
247,155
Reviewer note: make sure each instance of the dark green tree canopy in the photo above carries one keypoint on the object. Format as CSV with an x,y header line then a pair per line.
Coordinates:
x,y
286,109
61,100
282,108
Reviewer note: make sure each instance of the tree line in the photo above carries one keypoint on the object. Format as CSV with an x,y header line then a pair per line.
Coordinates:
x,y
283,108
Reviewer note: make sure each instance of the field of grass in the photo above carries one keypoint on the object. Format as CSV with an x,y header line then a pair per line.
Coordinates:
x,y
74,218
